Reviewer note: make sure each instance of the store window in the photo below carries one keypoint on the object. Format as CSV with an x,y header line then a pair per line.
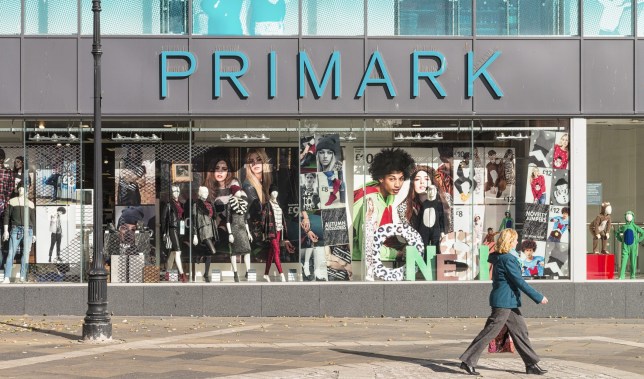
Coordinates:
x,y
51,17
527,18
10,17
613,213
451,187
419,17
608,18
332,18
123,17
248,17
292,200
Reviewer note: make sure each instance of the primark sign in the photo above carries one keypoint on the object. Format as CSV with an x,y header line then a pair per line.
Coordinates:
x,y
231,66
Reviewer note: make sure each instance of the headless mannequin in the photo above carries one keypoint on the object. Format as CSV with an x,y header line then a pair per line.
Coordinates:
x,y
170,226
204,227
236,222
14,215
275,235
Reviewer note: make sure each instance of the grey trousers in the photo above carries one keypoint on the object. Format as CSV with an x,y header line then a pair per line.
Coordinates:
x,y
517,328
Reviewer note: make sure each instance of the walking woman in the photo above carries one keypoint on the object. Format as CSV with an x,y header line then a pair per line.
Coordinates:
x,y
505,300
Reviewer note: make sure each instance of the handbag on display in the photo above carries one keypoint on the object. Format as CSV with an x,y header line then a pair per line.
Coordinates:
x,y
502,343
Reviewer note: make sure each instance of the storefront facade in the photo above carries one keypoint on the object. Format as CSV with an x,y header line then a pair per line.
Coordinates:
x,y
499,114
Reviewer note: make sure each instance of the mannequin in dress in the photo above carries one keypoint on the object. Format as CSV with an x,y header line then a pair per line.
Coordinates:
x,y
239,234
171,218
204,230
21,231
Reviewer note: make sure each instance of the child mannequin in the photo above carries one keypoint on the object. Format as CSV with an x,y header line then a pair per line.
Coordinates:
x,y
239,234
275,226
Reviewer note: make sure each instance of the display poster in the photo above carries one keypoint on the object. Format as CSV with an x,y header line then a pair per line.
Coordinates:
x,y
323,196
560,188
535,225
558,224
532,258
135,175
500,176
538,186
557,256
59,239
541,148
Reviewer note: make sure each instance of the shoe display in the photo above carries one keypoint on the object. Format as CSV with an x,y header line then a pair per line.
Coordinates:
x,y
206,278
6,281
182,278
236,276
282,278
534,370
267,278
470,369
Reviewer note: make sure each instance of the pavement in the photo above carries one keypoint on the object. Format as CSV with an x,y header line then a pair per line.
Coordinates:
x,y
263,348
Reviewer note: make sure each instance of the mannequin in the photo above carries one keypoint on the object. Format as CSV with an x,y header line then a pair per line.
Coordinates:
x,y
204,230
239,234
630,235
600,227
21,231
171,218
275,227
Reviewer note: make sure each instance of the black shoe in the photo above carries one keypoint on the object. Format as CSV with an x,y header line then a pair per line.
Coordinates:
x,y
470,369
236,277
246,275
535,370
207,278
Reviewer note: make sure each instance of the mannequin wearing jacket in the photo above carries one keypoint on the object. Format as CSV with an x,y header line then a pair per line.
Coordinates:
x,y
22,231
172,215
275,228
203,227
239,234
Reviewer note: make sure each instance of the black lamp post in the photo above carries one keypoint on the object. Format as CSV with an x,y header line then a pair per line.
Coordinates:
x,y
97,325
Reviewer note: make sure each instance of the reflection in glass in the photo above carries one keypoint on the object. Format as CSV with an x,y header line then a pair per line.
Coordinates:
x,y
245,17
608,17
515,17
332,18
50,17
426,17
124,17
10,17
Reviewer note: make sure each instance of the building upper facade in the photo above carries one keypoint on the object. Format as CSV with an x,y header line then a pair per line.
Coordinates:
x,y
284,58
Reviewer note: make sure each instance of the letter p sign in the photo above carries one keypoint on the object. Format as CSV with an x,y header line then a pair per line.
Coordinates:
x,y
165,75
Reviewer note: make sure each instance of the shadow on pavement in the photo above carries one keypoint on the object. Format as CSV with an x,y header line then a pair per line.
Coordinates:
x,y
68,336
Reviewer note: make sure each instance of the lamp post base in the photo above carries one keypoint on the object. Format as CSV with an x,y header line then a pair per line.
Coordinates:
x,y
97,332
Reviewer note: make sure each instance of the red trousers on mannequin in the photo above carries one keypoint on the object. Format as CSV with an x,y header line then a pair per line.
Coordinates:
x,y
274,254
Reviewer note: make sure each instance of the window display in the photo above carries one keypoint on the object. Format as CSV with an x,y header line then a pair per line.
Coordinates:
x,y
236,206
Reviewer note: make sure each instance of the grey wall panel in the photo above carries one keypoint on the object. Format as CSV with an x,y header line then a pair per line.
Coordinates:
x,y
55,300
561,299
176,300
398,57
639,76
255,80
86,77
231,300
13,300
635,300
600,299
131,77
9,76
352,300
48,74
536,77
468,299
352,63
125,300
607,81
291,300
417,299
